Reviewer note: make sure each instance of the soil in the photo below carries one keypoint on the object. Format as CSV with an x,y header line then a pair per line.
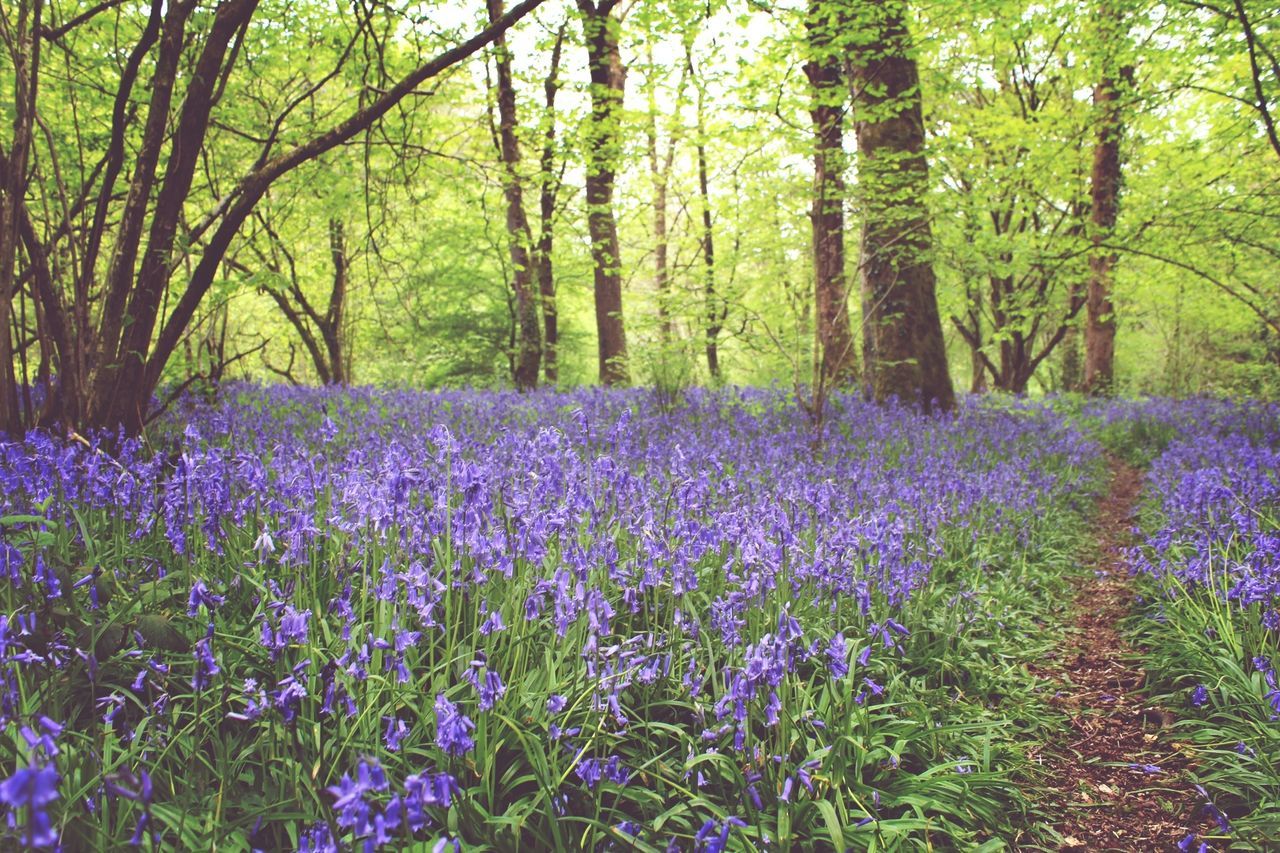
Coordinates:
x,y
1117,775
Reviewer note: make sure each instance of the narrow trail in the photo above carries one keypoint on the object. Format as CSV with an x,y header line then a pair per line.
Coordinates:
x,y
1117,776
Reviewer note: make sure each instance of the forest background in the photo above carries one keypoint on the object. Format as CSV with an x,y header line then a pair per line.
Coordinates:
x,y
655,191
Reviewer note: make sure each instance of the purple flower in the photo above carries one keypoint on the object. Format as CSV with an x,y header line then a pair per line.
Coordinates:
x,y
490,687
317,840
628,827
354,810
492,624
32,788
396,732
452,728
200,596
206,664
838,656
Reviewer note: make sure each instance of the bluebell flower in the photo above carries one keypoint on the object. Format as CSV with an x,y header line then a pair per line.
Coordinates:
x,y
31,788
201,597
490,687
838,656
452,728
396,732
206,665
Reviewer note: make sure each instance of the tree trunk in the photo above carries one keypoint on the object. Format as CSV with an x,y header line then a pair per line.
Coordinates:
x,y
121,390
600,30
1072,367
548,190
835,356
714,305
660,177
1100,328
715,309
332,330
13,189
519,237
907,357
1072,361
661,246
977,359
323,336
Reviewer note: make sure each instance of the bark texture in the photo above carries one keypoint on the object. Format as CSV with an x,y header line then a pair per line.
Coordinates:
x,y
905,351
1100,328
608,76
660,165
323,335
25,54
836,357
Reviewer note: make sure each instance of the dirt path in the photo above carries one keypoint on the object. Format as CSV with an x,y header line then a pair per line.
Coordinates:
x,y
1117,778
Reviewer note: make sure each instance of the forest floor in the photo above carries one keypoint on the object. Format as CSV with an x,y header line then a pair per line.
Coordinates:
x,y
1117,774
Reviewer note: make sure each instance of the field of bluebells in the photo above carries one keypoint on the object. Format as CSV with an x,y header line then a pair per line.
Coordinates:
x,y
318,620
1210,558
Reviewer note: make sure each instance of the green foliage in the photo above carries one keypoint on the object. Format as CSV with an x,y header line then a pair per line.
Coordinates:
x,y
1193,637
1137,438
1007,93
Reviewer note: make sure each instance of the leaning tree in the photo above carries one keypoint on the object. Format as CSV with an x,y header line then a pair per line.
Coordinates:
x,y
112,232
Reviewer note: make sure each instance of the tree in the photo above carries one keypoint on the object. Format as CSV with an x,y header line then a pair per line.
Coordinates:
x,y
715,306
837,363
549,184
660,167
520,237
143,262
323,335
1116,78
600,29
904,350
1011,156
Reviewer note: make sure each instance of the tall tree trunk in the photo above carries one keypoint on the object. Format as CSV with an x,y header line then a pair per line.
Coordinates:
x,y
661,247
600,30
25,54
714,305
1077,291
548,190
519,236
835,358
1100,328
660,177
120,392
907,358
